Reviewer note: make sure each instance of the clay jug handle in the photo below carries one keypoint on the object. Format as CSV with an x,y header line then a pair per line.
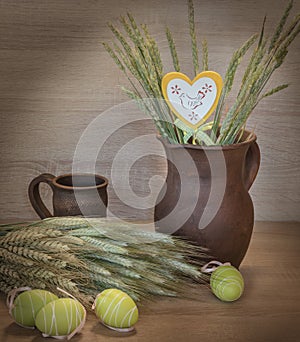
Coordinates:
x,y
35,197
251,165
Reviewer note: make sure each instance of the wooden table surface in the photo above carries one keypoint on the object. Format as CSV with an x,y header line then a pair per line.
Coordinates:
x,y
269,309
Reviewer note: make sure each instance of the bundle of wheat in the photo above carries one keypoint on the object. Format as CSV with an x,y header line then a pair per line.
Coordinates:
x,y
85,256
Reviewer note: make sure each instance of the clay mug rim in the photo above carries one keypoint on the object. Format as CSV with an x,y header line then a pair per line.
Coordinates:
x,y
71,187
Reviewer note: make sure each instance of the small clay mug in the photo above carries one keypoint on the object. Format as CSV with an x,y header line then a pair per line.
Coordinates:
x,y
73,194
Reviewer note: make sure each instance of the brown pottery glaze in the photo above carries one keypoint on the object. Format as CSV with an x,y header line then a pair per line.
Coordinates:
x,y
90,199
228,231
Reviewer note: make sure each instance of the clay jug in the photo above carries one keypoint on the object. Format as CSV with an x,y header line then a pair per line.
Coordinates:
x,y
206,198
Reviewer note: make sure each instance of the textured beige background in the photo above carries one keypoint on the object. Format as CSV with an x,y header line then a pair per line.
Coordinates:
x,y
55,78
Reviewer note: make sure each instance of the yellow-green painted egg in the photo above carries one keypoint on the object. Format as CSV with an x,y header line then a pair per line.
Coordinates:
x,y
116,309
28,304
61,317
227,283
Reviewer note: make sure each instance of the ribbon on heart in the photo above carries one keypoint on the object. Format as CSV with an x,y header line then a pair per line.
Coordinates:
x,y
198,134
192,101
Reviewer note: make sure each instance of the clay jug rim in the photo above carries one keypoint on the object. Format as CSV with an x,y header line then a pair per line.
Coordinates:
x,y
71,187
213,147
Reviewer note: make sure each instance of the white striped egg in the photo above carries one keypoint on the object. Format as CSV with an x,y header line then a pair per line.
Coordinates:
x,y
28,304
61,317
116,309
227,283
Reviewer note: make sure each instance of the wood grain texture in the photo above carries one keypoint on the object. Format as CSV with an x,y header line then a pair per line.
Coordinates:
x,y
56,78
268,311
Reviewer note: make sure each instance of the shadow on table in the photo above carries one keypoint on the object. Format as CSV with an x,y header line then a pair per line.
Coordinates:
x,y
15,330
101,330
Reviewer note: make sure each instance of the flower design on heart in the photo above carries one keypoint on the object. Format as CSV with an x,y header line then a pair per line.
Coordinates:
x,y
193,116
192,101
176,89
207,88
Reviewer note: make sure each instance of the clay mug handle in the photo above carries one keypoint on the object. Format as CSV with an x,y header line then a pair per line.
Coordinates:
x,y
35,197
251,165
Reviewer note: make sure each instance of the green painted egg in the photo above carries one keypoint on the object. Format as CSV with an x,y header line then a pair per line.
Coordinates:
x,y
28,304
227,283
61,317
116,310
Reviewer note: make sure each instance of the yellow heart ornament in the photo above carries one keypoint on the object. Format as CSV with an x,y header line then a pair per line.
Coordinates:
x,y
192,101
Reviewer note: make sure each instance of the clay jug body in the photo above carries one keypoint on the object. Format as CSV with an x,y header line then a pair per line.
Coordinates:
x,y
206,196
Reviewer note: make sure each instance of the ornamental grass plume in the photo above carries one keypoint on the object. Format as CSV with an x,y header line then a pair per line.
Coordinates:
x,y
137,55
